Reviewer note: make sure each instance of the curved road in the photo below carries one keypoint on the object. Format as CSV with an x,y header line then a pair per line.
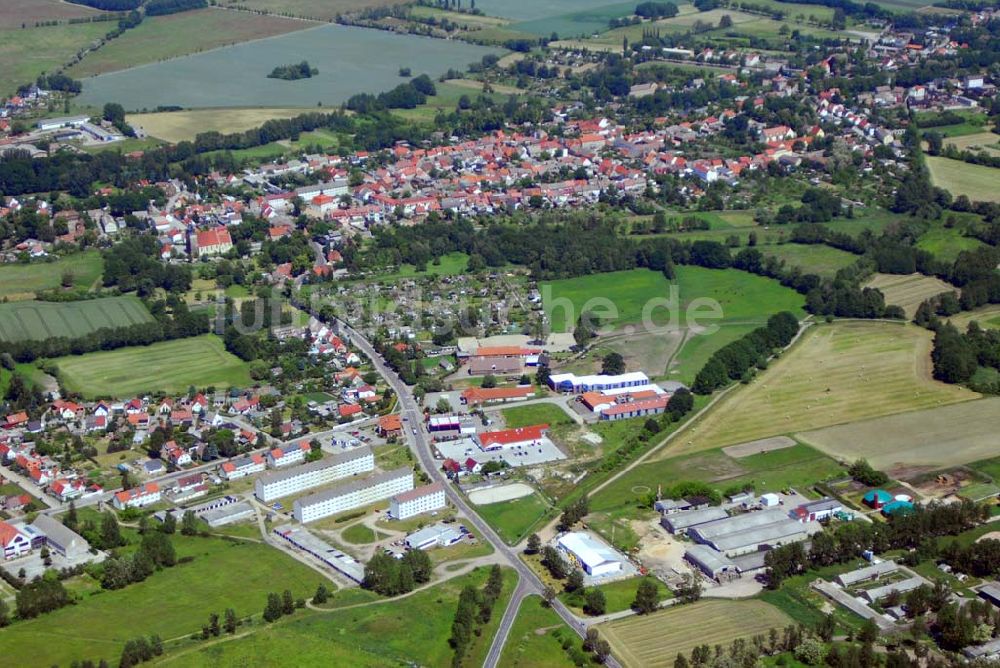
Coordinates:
x,y
528,583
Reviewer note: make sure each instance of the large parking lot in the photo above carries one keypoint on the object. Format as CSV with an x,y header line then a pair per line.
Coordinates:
x,y
463,448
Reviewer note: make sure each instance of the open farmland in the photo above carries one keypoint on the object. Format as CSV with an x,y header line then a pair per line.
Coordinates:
x,y
31,320
176,126
947,243
986,316
979,141
933,438
15,13
222,574
168,366
909,290
24,54
656,639
977,182
835,374
743,297
412,630
318,10
162,37
22,281
812,258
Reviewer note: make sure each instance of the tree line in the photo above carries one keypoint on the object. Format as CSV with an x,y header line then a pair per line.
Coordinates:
x,y
736,360
391,577
475,608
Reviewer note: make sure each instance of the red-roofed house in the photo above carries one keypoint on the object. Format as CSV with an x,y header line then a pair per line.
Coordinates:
x,y
242,467
137,497
175,454
477,395
213,242
390,425
13,542
349,410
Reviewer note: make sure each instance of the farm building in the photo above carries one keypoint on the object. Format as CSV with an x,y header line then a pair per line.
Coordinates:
x,y
569,382
816,511
873,572
878,593
342,465
894,507
991,593
749,532
592,556
680,523
474,396
638,408
416,501
713,564
353,494
481,366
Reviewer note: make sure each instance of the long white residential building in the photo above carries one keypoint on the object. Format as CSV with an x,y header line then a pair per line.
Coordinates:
x,y
353,494
420,500
329,469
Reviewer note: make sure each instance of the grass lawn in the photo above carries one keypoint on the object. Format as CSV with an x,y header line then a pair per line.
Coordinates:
x,y
618,595
978,182
513,520
798,466
621,296
21,281
946,243
449,265
34,320
168,366
171,603
836,373
28,372
175,126
360,534
656,639
698,348
936,437
411,630
26,53
812,258
162,37
535,639
910,290
524,416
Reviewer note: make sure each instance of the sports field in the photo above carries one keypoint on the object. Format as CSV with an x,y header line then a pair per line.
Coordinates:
x,y
168,366
162,37
977,182
34,320
743,298
175,126
837,373
24,54
936,437
172,603
656,639
22,281
910,290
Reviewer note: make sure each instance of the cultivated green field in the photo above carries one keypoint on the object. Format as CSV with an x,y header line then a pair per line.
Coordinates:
x,y
933,438
451,264
811,258
798,466
33,320
176,126
162,37
524,416
24,54
168,366
513,520
411,630
977,182
656,639
320,10
15,13
534,640
837,373
171,603
909,291
22,281
744,298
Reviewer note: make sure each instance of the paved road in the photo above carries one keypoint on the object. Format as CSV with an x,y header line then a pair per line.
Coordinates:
x,y
528,582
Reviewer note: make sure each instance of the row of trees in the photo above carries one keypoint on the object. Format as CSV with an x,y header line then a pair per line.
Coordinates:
x,y
156,551
970,357
475,608
278,606
736,360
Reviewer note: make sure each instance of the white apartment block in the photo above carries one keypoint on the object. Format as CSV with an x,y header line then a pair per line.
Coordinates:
x,y
284,483
416,501
353,494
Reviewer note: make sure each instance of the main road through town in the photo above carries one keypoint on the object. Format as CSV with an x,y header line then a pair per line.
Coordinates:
x,y
528,582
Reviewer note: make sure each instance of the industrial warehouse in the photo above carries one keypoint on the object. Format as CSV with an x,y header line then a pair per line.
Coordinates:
x,y
353,494
342,465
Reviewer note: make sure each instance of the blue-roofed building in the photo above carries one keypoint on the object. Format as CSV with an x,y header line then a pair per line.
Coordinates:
x,y
877,498
897,507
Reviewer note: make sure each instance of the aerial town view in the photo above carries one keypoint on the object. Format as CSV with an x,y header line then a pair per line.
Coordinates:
x,y
499,333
